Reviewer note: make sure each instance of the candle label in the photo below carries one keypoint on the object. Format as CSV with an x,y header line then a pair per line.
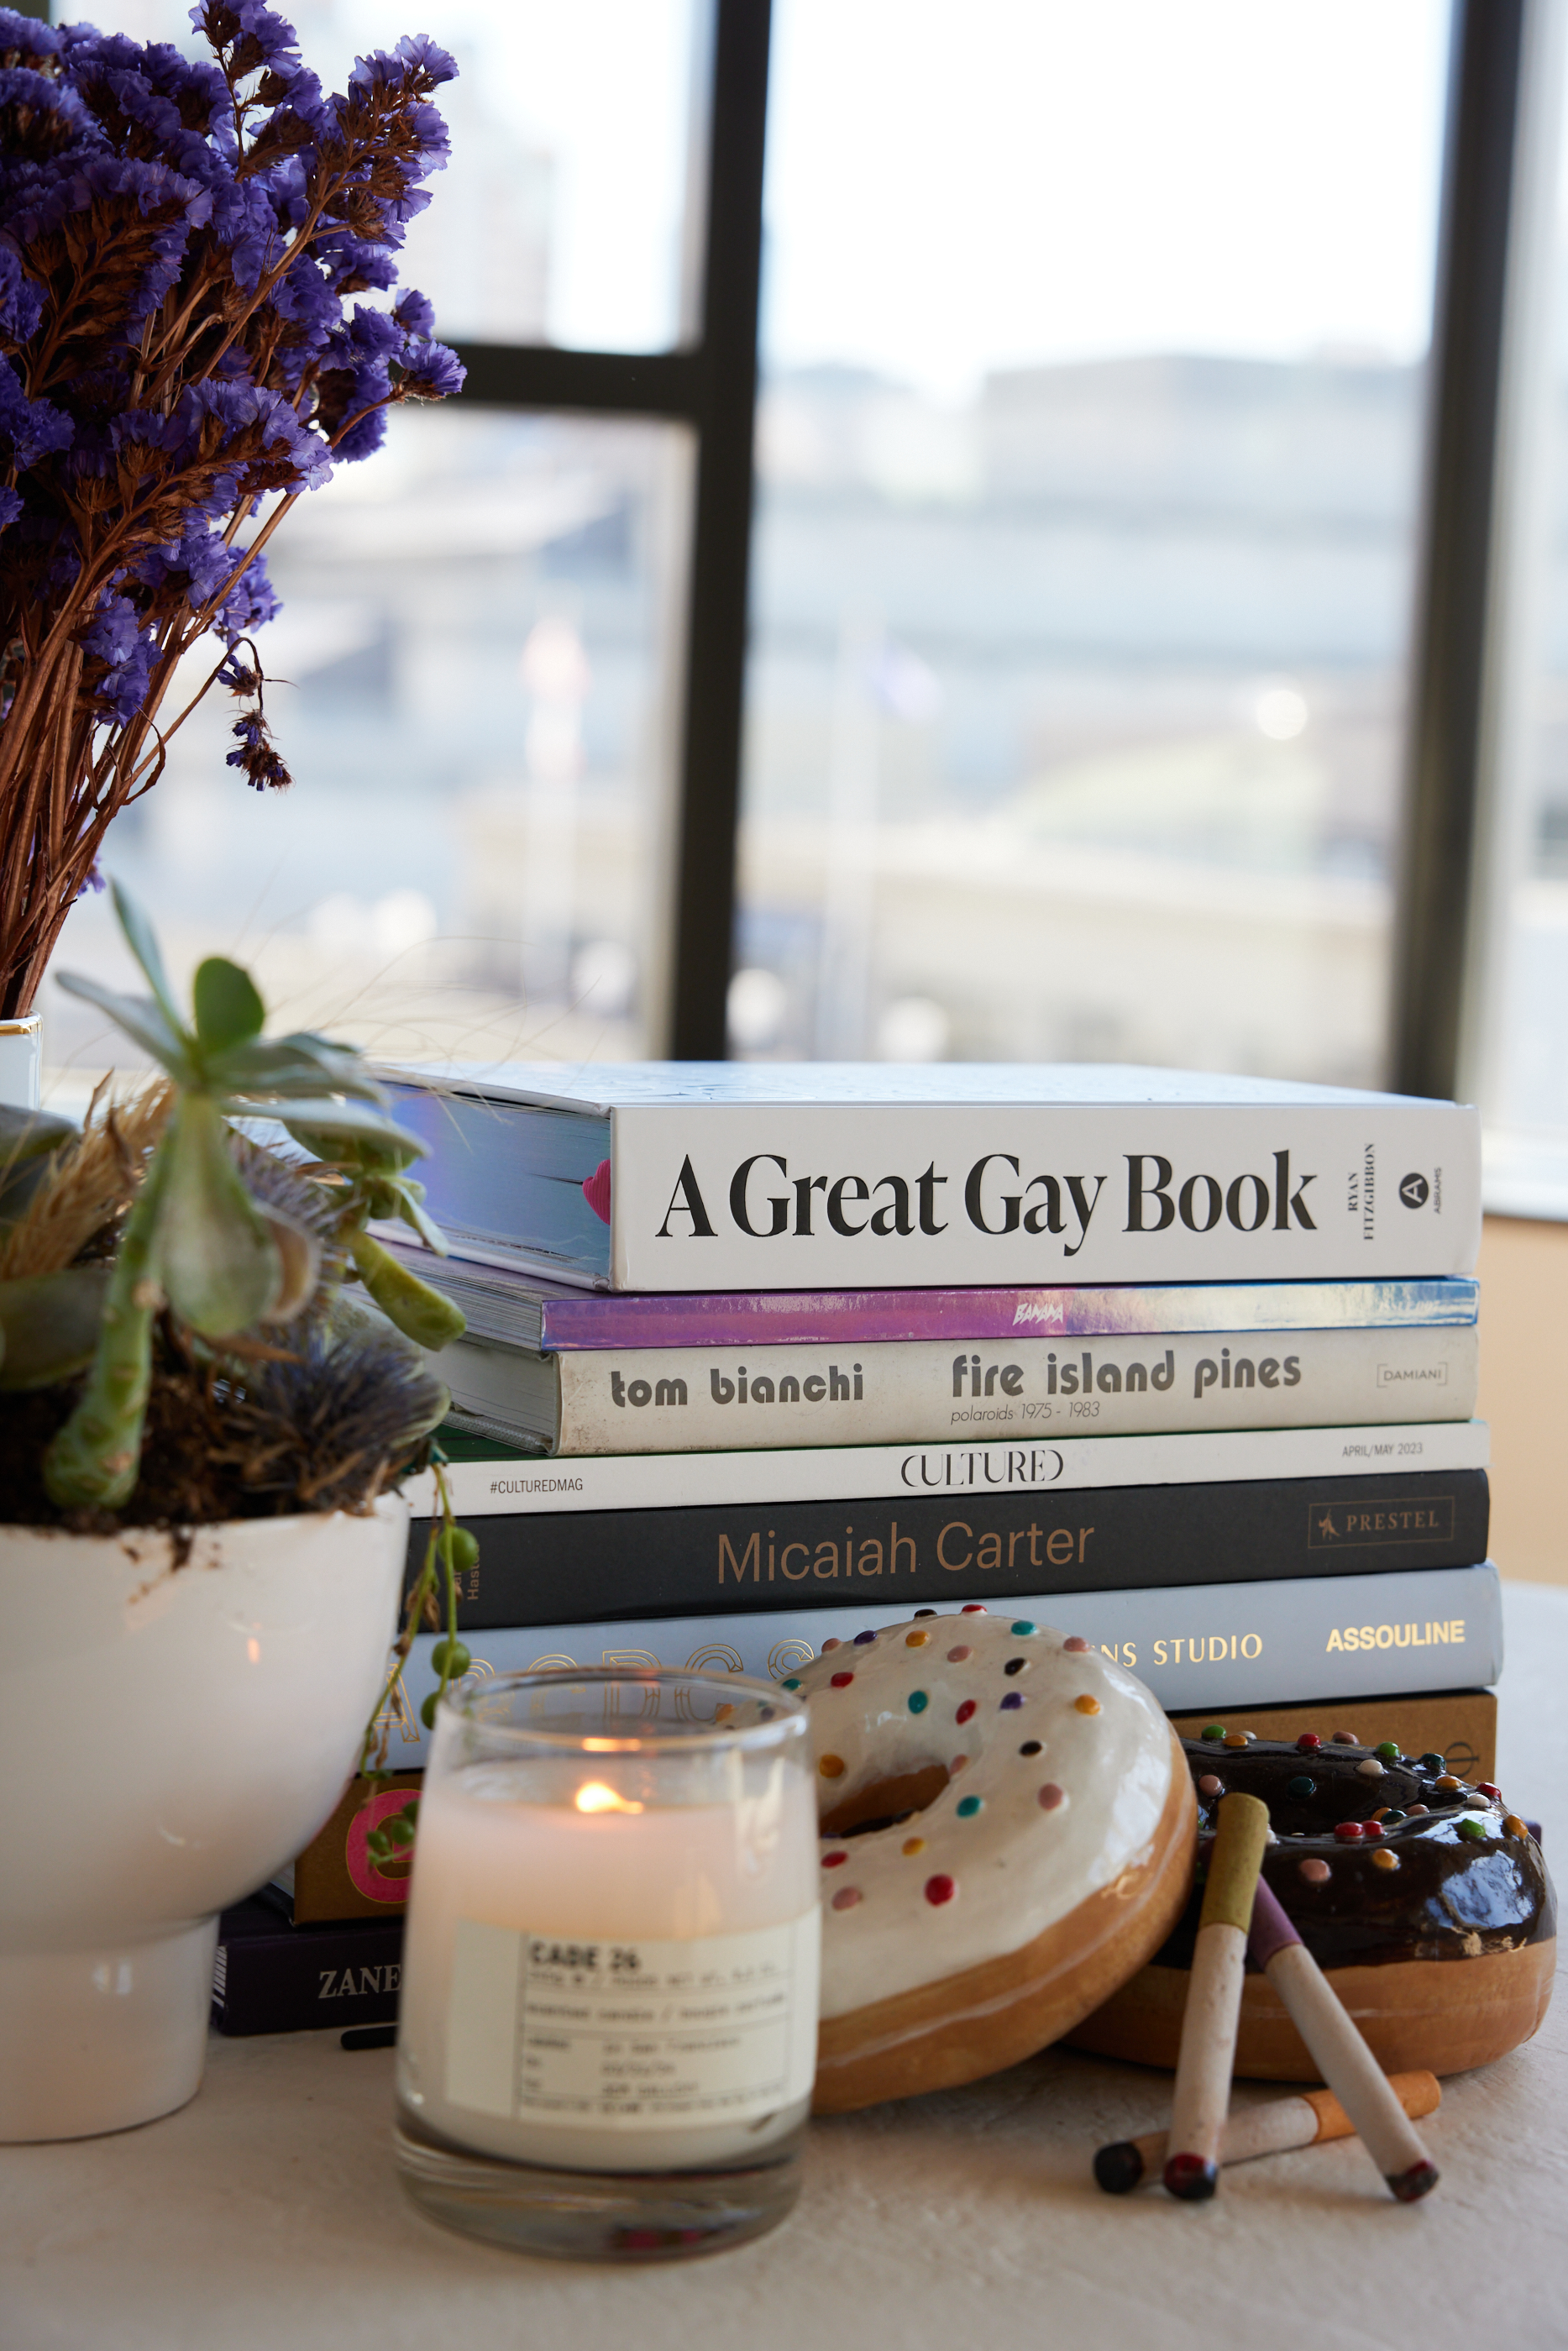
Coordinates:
x,y
633,2035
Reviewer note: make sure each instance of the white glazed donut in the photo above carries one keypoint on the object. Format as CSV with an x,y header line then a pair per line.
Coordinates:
x,y
1008,1829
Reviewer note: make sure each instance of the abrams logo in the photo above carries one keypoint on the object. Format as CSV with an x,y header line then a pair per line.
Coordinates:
x,y
766,1201
1343,1526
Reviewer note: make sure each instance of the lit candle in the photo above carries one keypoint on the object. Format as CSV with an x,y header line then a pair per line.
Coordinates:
x,y
612,1951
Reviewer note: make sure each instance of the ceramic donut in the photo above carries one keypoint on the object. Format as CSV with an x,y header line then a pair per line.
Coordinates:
x,y
1425,1901
1007,1834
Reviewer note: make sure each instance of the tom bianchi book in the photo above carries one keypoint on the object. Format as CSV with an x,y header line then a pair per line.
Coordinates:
x,y
694,1176
548,1369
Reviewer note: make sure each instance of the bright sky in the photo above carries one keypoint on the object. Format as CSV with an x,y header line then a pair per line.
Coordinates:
x,y
955,184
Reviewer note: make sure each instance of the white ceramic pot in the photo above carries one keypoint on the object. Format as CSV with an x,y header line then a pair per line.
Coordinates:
x,y
172,1730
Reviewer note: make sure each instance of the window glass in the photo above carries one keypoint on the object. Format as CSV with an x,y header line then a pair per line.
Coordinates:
x,y
1089,447
561,216
474,663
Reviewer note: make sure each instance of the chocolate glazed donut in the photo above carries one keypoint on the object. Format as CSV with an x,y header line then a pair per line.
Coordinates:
x,y
1422,1897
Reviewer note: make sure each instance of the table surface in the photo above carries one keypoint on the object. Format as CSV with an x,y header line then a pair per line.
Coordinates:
x,y
267,2212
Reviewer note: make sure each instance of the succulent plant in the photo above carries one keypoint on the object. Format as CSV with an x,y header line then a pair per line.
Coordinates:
x,y
197,1240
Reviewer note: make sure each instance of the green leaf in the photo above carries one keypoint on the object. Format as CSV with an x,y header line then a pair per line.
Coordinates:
x,y
217,1261
229,1011
49,1324
143,941
291,1065
413,1212
142,1021
28,1139
308,1122
420,1312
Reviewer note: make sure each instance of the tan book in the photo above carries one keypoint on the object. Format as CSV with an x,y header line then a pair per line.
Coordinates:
x,y
1459,1725
335,1878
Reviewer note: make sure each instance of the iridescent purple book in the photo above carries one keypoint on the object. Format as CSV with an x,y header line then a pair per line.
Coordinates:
x,y
521,1309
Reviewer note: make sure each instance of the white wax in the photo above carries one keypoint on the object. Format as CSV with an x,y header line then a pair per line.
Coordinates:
x,y
503,1847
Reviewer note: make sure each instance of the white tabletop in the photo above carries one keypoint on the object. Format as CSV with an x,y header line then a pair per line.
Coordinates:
x,y
267,2212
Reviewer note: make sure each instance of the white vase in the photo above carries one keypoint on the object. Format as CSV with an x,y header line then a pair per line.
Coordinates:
x,y
174,1724
21,1047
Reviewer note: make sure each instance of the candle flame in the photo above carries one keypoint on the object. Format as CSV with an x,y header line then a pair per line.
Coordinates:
x,y
595,1797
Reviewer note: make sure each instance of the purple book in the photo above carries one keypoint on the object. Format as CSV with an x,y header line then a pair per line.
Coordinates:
x,y
523,1310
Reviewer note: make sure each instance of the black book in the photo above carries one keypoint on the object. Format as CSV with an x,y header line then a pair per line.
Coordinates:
x,y
270,1977
595,1566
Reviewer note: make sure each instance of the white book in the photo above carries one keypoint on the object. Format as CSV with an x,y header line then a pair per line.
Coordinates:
x,y
859,1473
766,1176
918,1392
1333,1637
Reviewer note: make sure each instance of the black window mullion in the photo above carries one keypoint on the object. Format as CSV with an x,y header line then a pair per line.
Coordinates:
x,y
1454,577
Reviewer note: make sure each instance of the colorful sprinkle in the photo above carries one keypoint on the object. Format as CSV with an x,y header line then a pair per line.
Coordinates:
x,y
1029,1747
791,1682
1051,1798
968,1806
1023,1628
1388,1750
1346,1738
956,1656
1434,1762
1237,1739
840,1681
1307,1742
1371,1769
834,1860
1087,1705
916,1640
848,1897
828,1645
1380,1815
940,1889
960,1763
831,1767
1384,1859
1449,1783
972,1608
1015,1666
1211,1784
1013,1702
721,1713
1490,1787
1470,1827
1316,1873
1391,1815
1348,1832
1301,1786
1514,1826
926,1612
965,1712
918,1701
1417,1812
863,1637
1476,1803
1372,1828
1212,1730
912,1845
1075,1645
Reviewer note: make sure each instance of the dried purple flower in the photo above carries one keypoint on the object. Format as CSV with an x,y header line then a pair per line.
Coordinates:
x,y
178,242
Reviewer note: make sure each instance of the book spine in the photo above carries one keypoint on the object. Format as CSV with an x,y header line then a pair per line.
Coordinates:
x,y
1209,1646
857,1473
303,1977
673,1400
868,1318
934,1550
720,1196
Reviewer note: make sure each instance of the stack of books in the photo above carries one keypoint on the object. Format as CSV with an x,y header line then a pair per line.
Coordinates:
x,y
762,1356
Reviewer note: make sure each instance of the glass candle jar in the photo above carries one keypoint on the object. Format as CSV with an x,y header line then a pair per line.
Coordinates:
x,y
609,2010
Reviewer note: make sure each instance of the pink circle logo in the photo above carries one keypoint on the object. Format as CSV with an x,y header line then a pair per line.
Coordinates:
x,y
368,1879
